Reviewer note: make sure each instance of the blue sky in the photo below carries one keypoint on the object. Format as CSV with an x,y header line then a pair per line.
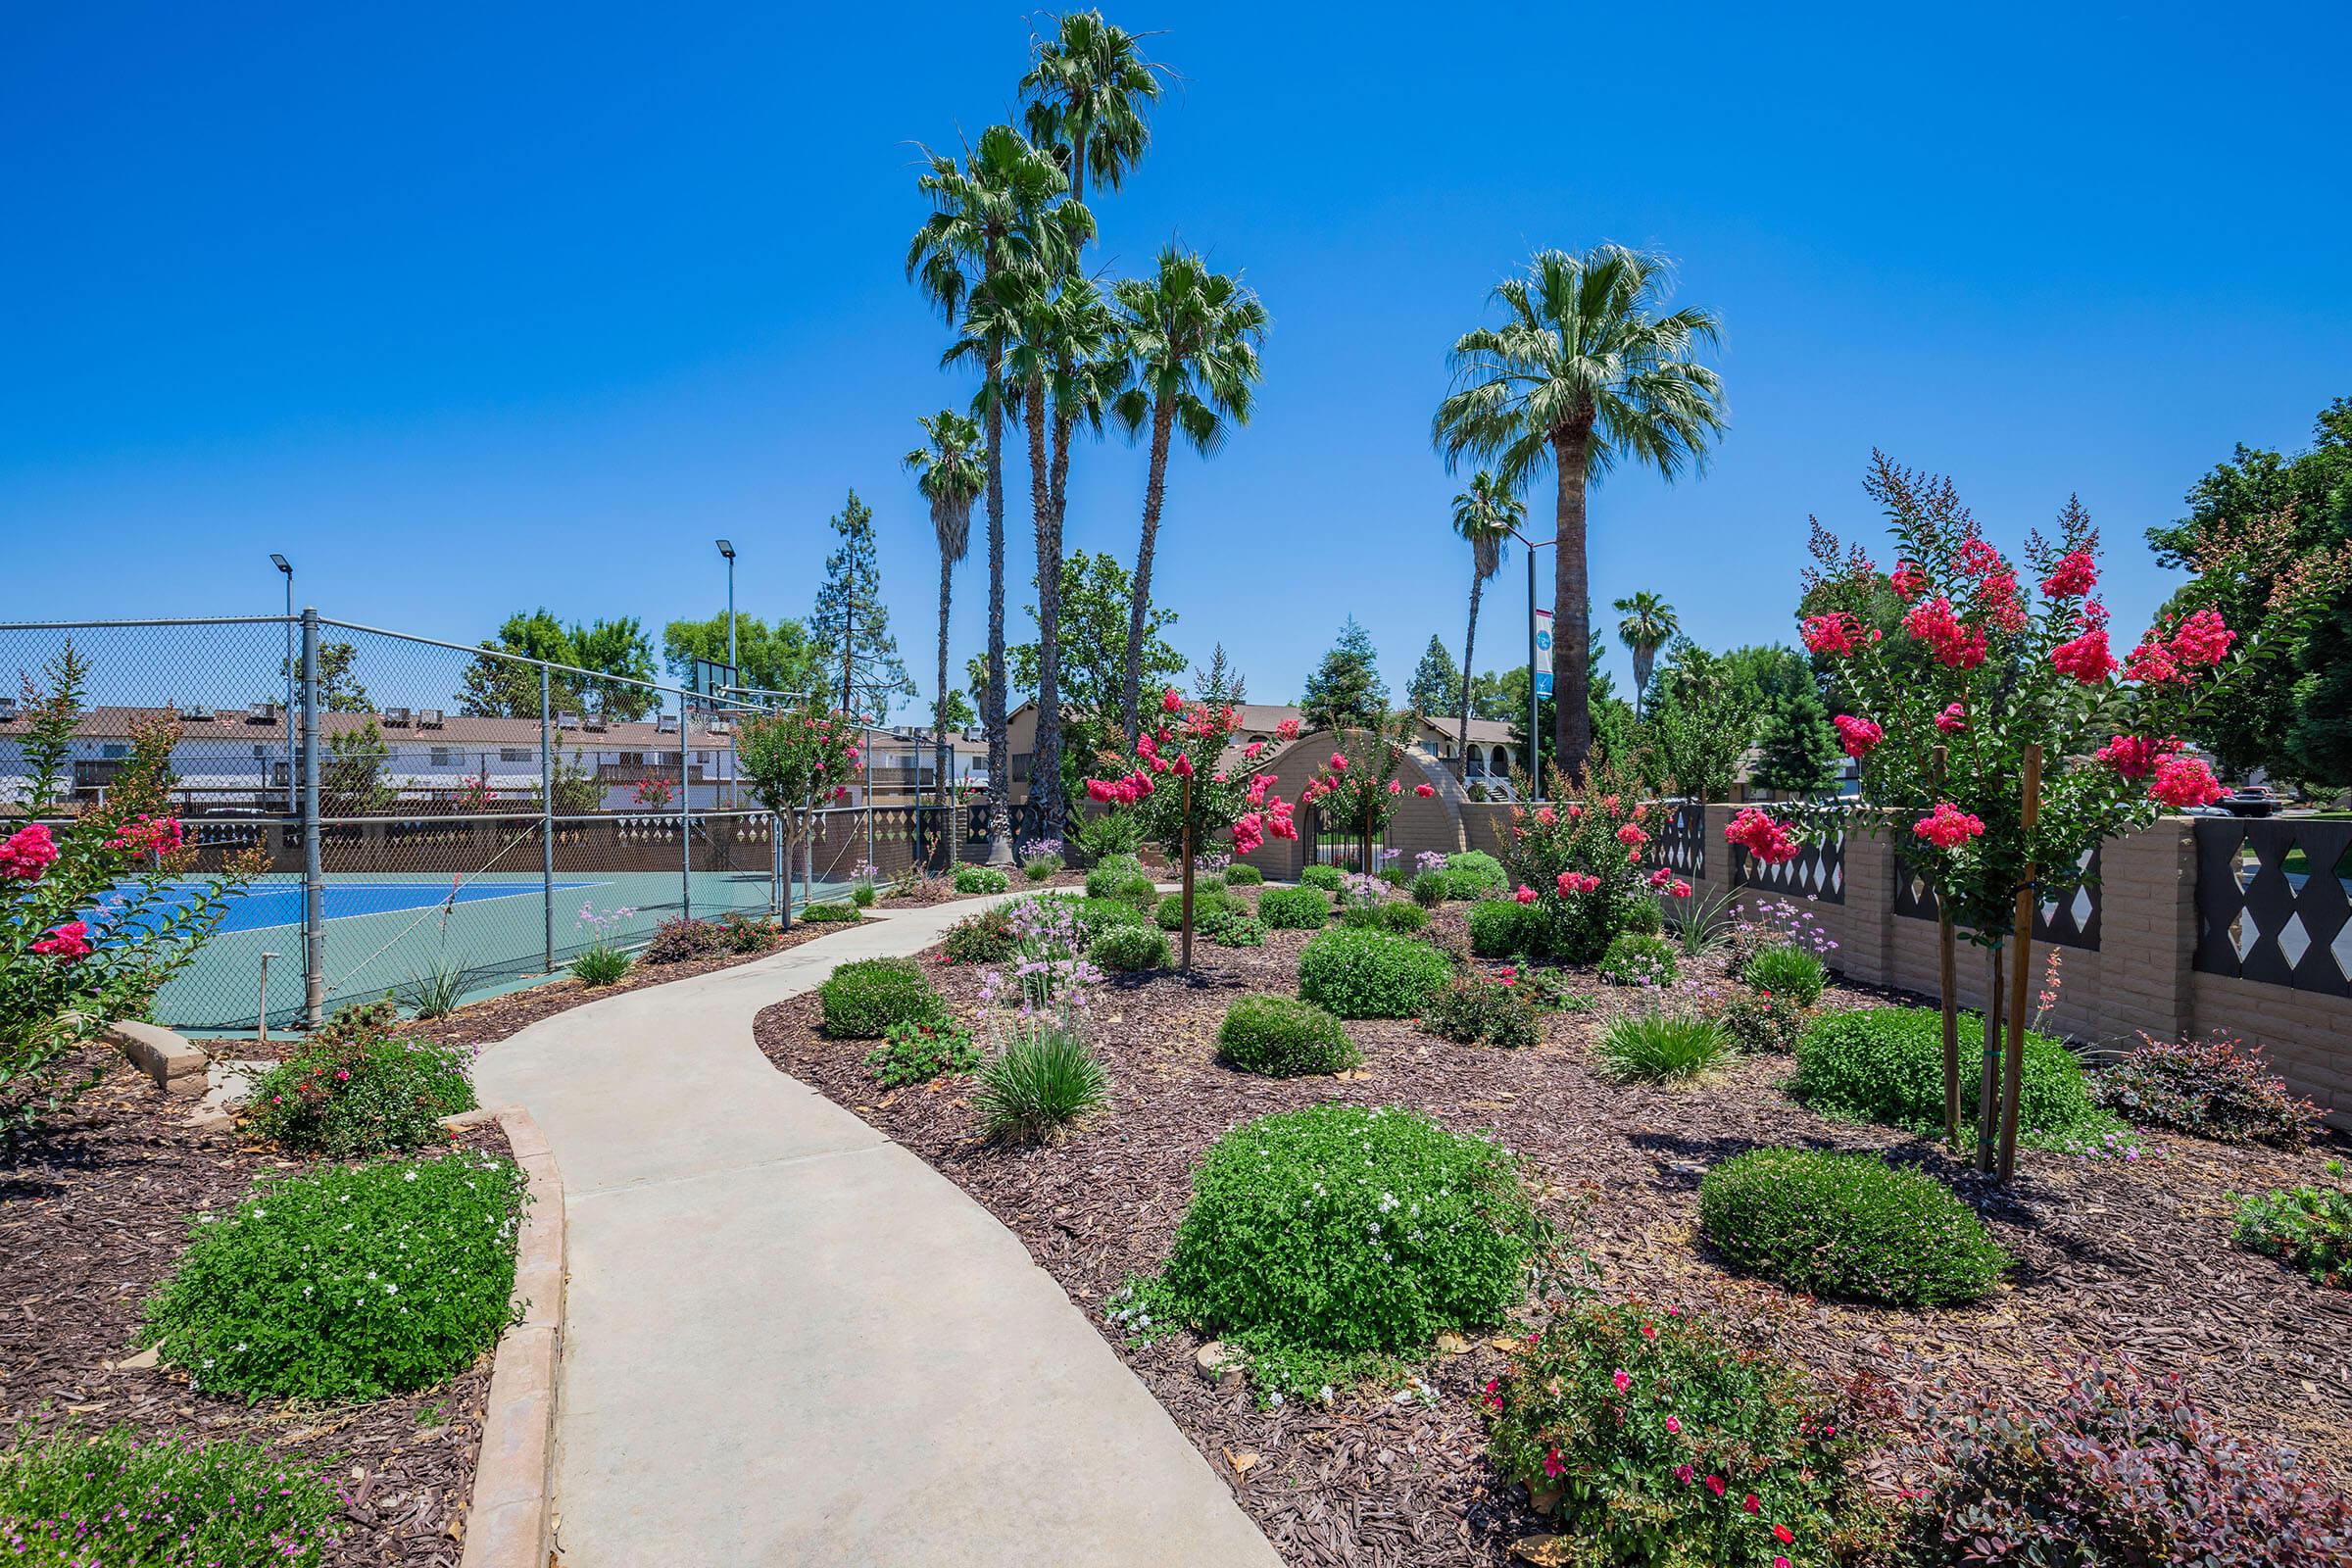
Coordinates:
x,y
471,309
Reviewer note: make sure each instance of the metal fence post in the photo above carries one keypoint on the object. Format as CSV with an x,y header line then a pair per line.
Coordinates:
x,y
547,818
685,816
314,887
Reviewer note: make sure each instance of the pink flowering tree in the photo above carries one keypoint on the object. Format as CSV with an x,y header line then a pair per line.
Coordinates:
x,y
1356,790
1186,795
96,912
1579,859
2000,734
795,762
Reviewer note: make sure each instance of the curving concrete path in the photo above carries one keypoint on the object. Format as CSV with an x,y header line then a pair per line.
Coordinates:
x,y
789,1341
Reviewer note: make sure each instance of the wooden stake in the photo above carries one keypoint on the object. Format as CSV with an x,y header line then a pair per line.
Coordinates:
x,y
1948,983
1188,874
1988,1071
2013,1069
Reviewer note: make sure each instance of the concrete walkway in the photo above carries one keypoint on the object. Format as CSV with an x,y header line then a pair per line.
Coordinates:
x,y
791,1342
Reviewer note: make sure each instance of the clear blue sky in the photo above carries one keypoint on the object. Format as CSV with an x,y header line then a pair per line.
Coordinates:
x,y
471,309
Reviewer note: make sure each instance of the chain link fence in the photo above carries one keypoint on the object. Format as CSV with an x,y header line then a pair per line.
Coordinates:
x,y
429,816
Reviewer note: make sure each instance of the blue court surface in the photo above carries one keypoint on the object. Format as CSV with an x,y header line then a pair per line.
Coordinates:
x,y
260,908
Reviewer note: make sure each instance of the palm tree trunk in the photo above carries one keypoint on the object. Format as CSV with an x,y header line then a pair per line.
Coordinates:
x,y
1646,659
1048,602
1478,586
1044,756
999,748
939,713
1571,609
1156,491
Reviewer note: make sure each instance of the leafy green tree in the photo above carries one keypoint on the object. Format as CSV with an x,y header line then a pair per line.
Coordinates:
x,y
1582,374
338,688
351,775
1483,516
1649,624
1796,751
1345,691
52,714
1436,682
498,688
1095,595
955,713
795,762
1700,725
951,469
1220,683
576,790
776,657
849,627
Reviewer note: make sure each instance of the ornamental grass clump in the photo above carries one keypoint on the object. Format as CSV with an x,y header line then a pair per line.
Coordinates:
x,y
1282,1037
2215,1088
349,1283
1886,1065
1848,1225
863,1000
1370,975
362,1090
122,1500
1300,908
1316,1235
1787,972
1661,1047
1659,1442
1040,1084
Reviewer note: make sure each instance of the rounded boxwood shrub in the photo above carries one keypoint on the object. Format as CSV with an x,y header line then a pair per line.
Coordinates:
x,y
143,1502
1886,1065
1643,918
1325,877
1787,972
1234,927
1206,901
1474,874
1282,1037
363,1092
1634,960
839,912
1293,909
980,879
1848,1225
862,999
354,1282
1503,928
1103,880
1342,1229
1130,949
1370,975
1242,875
1404,918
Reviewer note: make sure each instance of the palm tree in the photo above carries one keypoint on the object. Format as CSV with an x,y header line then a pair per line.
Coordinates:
x,y
951,471
994,225
1087,95
1485,515
1650,624
1582,373
1192,336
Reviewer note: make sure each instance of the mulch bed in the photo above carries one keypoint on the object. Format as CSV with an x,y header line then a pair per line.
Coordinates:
x,y
2114,1258
92,1219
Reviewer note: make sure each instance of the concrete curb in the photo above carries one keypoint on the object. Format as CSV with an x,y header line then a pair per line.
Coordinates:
x,y
176,1066
509,1518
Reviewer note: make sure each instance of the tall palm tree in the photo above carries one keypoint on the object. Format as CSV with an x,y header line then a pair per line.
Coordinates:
x,y
994,226
1485,515
1087,94
1191,337
951,470
1650,624
1582,373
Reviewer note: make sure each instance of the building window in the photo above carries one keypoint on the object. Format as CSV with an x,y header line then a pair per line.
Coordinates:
x,y
440,756
112,751
261,752
516,753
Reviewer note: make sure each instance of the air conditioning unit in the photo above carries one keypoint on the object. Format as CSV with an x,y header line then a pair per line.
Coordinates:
x,y
8,710
594,723
262,713
721,727
197,715
396,717
428,718
668,724
568,722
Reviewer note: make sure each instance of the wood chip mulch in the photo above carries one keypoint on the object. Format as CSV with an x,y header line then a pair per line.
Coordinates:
x,y
2115,1258
93,1217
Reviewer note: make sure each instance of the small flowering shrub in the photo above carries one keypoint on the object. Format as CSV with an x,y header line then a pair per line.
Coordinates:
x,y
839,912
1581,863
361,1093
1657,1045
1370,975
1508,929
2309,1228
351,1283
1662,1445
128,1501
1848,1225
1637,961
983,938
1325,877
1234,927
680,940
1763,1020
748,933
917,1052
1787,972
1040,868
1300,908
1042,1081
1476,1011
1241,874
1282,1037
863,1000
1886,1065
862,893
2118,1468
1130,950
980,879
2215,1088
1317,1235
1764,923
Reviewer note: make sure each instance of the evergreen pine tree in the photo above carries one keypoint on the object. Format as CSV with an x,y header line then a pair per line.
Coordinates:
x,y
1797,752
850,625
1345,691
1437,686
1220,683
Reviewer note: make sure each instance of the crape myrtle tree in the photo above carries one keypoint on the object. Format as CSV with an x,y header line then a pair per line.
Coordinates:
x,y
1356,790
793,761
1998,734
1176,787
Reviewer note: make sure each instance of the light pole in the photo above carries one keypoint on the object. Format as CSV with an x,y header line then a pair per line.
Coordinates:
x,y
1534,742
286,568
728,550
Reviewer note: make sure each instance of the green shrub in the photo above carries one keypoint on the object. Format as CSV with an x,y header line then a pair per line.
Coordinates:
x,y
862,895
1474,874
1660,1046
2309,1228
1234,928
131,1501
1170,915
751,933
1763,1020
1505,928
1429,889
1324,877
917,1052
1402,918
1475,1010
599,965
1130,950
1643,918
436,990
1339,1231
1242,875
1789,971
837,912
980,879
1040,868
1207,882
1094,916
1370,975
983,938
1582,1415
1293,909
1848,1225
360,1094
863,1000
1634,960
680,940
1041,1083
2212,1088
1282,1037
1886,1065
1105,879
353,1282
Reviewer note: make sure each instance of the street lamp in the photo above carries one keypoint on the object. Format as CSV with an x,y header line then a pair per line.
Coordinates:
x,y
728,550
1534,743
287,568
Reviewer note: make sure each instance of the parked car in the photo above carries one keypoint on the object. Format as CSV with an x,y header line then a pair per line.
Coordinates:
x,y
2253,800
